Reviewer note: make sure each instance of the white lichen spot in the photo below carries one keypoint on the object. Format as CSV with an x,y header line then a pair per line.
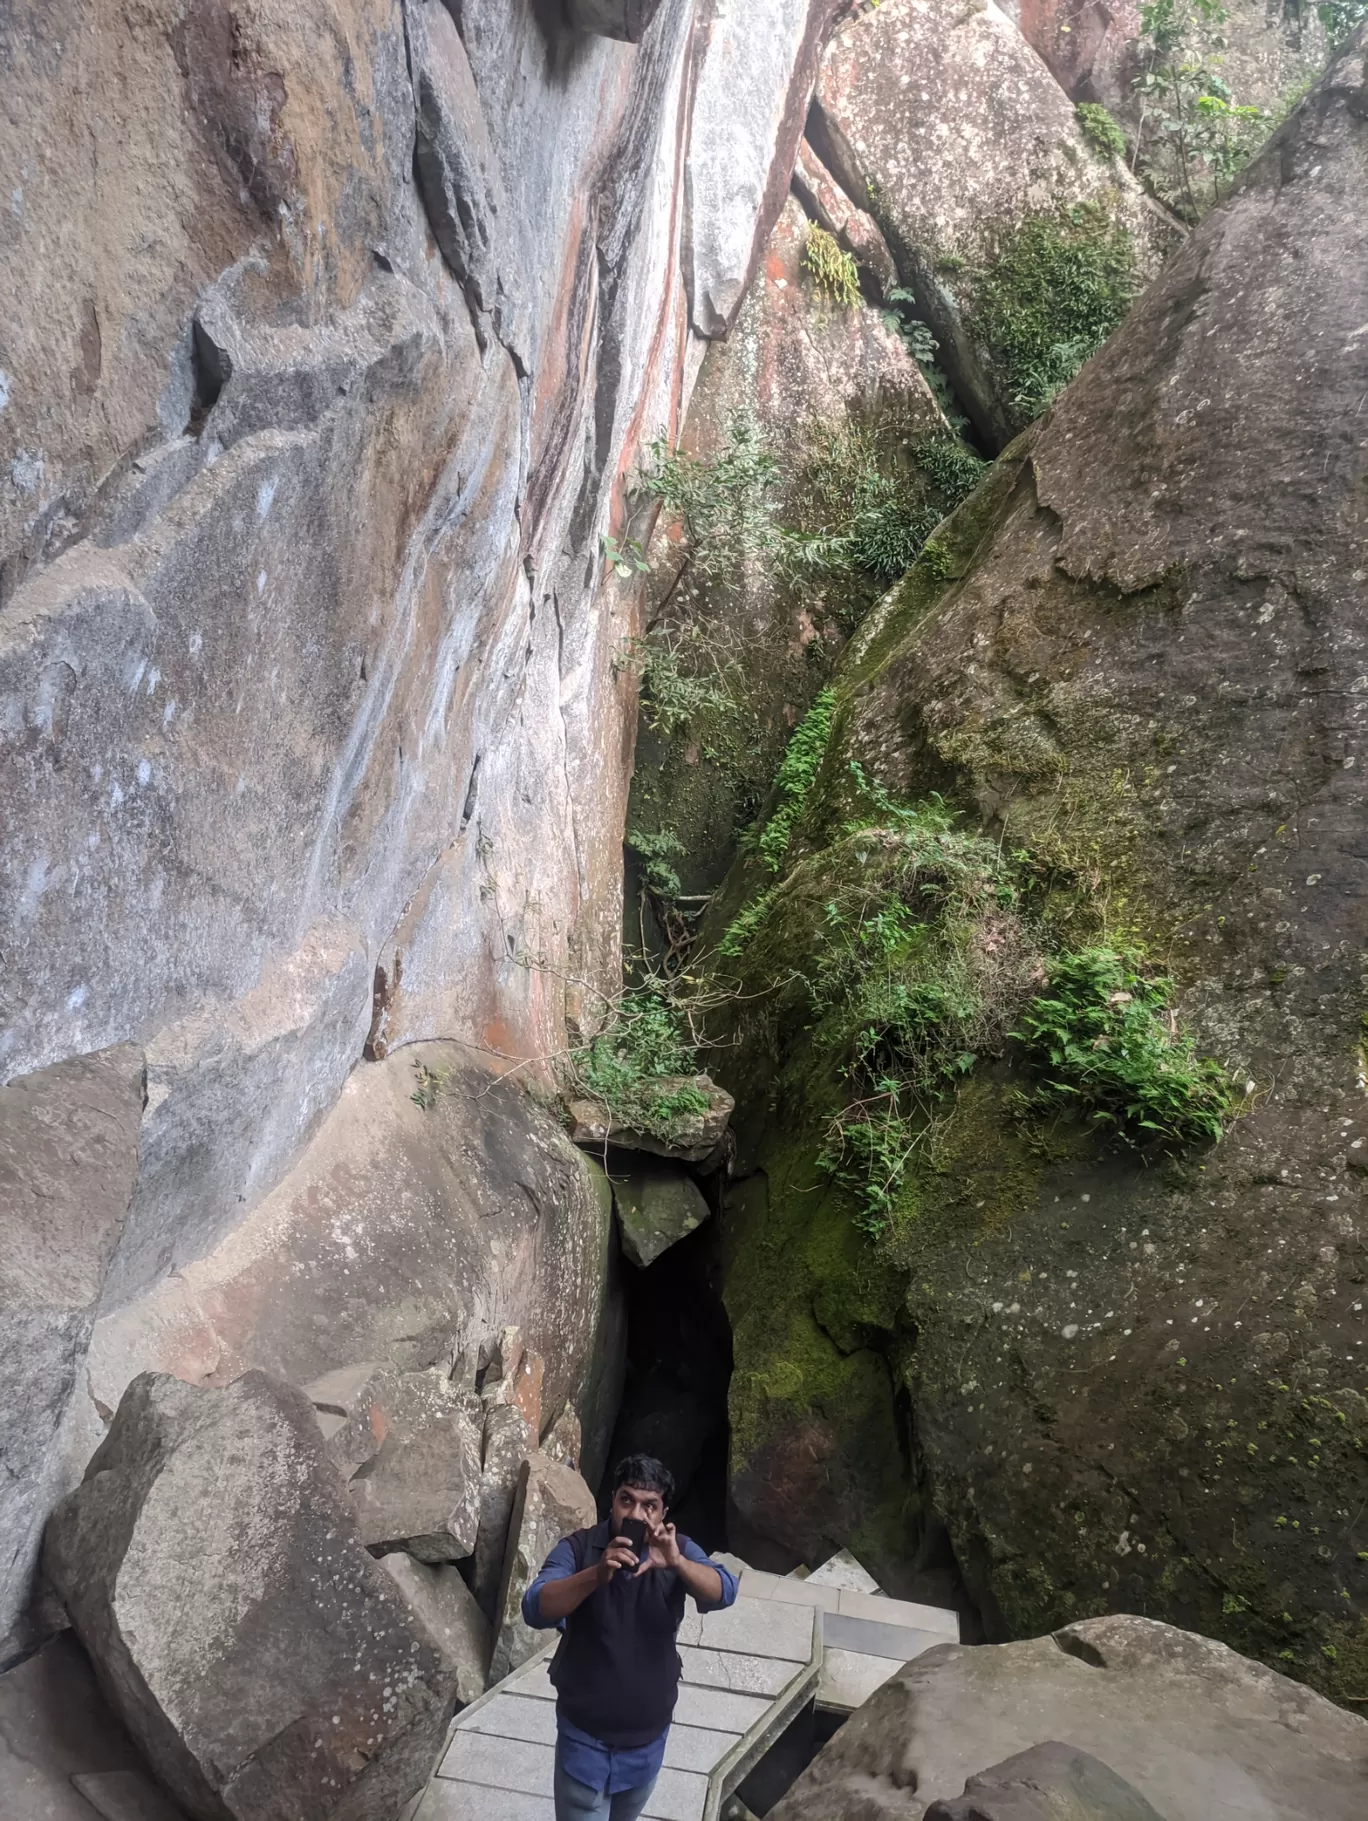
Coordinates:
x,y
266,493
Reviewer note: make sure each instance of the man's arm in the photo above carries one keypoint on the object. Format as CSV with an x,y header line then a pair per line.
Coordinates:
x,y
722,1589
558,1589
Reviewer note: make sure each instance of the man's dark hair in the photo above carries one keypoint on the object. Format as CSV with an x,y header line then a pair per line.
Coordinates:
x,y
644,1473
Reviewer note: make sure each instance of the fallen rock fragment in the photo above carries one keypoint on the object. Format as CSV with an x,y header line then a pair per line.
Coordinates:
x,y
68,1165
656,1207
445,1608
826,203
696,1137
552,1501
564,1440
265,1663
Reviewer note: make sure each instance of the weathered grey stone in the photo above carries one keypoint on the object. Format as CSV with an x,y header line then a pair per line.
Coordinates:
x,y
1049,1782
696,1137
263,1660
552,1502
1191,1727
421,1486
458,174
445,1607
68,1163
61,1749
564,1440
946,125
757,73
655,1208
508,1441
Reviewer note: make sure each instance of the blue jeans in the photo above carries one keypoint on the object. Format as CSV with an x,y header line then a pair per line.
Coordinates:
x,y
577,1802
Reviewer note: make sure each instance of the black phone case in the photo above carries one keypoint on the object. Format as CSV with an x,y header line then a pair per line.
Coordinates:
x,y
634,1529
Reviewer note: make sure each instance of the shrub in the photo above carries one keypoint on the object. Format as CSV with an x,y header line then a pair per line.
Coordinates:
x,y
638,1067
1100,130
1102,1036
1058,286
833,270
655,851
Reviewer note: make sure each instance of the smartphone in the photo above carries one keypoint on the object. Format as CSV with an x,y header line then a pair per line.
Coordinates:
x,y
634,1529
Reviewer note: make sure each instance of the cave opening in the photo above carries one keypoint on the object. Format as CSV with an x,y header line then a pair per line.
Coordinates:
x,y
674,1396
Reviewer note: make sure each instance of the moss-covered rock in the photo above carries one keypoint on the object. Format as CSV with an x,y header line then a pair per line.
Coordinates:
x,y
1135,1380
1021,242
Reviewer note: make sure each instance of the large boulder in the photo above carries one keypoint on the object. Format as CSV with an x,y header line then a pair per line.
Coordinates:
x,y
508,1441
552,1501
265,1663
1191,1728
436,1206
943,122
68,1163
756,75
1126,1378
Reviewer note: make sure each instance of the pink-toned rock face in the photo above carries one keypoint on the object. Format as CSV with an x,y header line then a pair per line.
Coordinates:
x,y
1082,41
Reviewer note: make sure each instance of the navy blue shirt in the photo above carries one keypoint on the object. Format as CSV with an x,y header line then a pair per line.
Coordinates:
x,y
587,1759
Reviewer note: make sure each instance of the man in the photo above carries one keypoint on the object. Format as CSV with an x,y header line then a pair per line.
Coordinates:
x,y
616,1670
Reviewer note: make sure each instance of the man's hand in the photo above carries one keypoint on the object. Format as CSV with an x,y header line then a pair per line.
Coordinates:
x,y
664,1550
618,1554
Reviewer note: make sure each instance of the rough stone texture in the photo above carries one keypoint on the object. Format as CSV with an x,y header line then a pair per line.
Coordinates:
x,y
58,1737
1131,1384
564,1440
263,1661
746,127
507,1443
552,1501
1050,1782
696,1137
654,1209
68,1163
421,1486
1195,1730
1091,49
407,1235
800,370
944,122
445,1608
304,460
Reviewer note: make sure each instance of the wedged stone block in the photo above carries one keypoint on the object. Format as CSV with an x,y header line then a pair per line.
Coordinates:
x,y
655,1209
552,1502
445,1607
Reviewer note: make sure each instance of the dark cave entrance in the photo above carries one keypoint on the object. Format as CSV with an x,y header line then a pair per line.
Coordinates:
x,y
679,1363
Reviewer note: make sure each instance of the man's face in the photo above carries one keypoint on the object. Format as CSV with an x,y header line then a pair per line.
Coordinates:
x,y
637,1502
